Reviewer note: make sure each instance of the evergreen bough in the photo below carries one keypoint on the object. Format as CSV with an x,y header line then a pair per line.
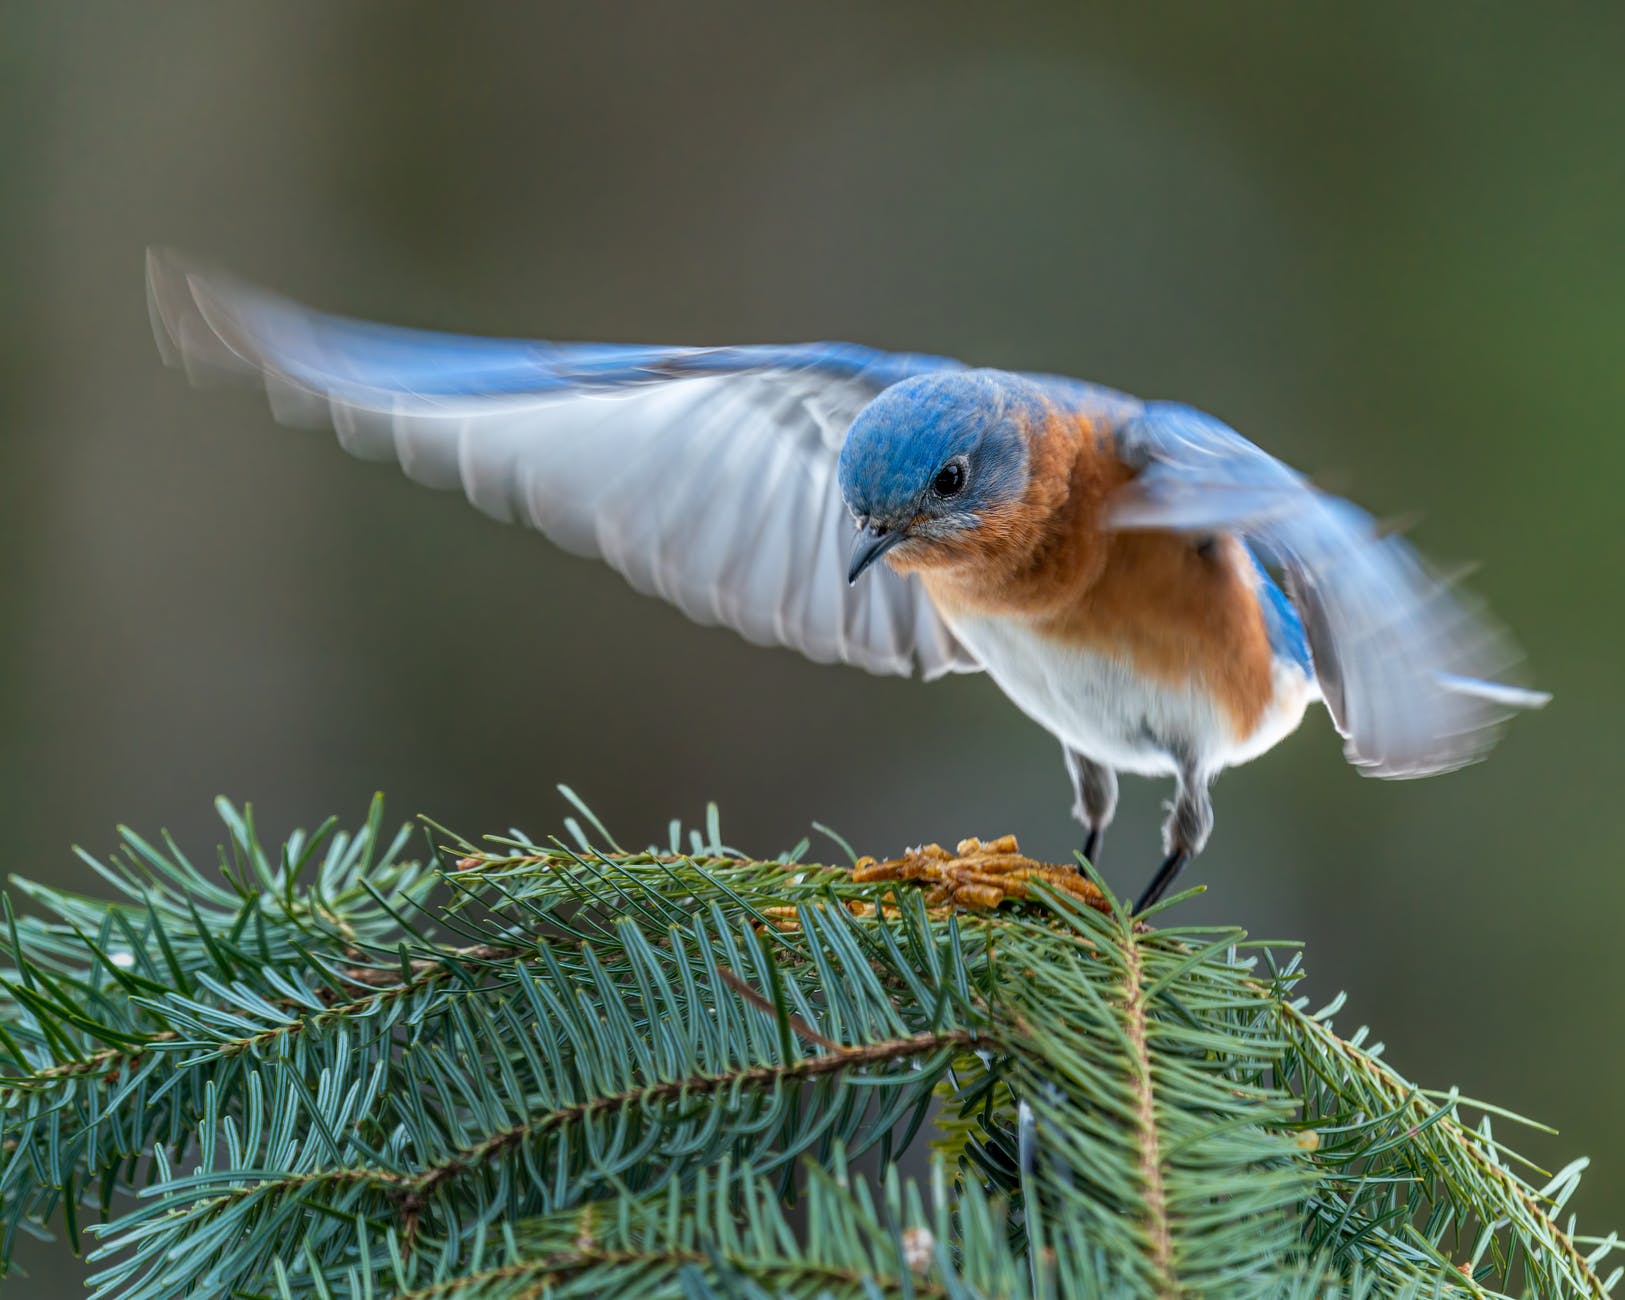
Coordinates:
x,y
563,1068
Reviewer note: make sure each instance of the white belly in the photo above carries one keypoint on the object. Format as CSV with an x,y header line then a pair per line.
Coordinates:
x,y
1097,705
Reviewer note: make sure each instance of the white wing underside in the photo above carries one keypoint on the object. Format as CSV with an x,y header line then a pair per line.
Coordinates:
x,y
716,493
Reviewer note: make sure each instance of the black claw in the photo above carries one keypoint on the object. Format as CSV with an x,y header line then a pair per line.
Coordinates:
x,y
1171,866
1091,846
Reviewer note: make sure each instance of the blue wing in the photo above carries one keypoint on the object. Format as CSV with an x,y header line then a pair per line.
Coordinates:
x,y
704,475
1404,662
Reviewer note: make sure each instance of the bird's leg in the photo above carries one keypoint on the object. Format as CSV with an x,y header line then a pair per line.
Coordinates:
x,y
1171,866
1190,821
1094,788
1091,843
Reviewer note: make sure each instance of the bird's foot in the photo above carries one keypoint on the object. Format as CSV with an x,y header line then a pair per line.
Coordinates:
x,y
1091,846
1171,866
979,875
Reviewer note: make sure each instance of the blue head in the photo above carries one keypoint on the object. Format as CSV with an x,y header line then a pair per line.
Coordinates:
x,y
934,457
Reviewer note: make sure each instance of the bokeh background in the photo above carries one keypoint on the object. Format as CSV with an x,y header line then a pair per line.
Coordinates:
x,y
1384,240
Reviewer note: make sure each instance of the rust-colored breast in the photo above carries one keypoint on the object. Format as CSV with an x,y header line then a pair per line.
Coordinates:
x,y
1180,612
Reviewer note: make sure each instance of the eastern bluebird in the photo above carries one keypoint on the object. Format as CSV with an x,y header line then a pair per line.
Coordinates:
x,y
1101,558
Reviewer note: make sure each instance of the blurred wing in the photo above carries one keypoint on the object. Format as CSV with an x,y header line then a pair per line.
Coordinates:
x,y
705,475
1404,662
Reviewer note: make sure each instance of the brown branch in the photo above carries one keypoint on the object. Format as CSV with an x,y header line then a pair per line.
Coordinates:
x,y
762,1004
110,1062
113,1062
547,1270
810,1067
562,857
383,977
1156,1193
411,1193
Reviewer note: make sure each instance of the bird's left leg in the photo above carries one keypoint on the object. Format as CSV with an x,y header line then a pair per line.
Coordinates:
x,y
1190,821
1094,786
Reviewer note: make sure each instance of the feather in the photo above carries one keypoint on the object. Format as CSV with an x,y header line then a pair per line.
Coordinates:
x,y
1405,662
703,475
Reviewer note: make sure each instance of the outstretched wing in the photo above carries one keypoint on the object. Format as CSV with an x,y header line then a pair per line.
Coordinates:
x,y
1404,663
706,476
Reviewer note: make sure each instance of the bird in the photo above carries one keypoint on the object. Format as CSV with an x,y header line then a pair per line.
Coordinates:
x,y
1158,593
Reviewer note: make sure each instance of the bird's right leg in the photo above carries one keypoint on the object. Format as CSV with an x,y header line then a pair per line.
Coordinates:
x,y
1190,822
1095,788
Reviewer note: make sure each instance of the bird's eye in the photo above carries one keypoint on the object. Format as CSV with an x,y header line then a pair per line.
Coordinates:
x,y
950,479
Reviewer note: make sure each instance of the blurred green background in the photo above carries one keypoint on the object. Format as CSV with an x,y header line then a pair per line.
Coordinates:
x,y
1383,240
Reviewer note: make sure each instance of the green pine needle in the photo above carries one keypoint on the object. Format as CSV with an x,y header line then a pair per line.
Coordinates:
x,y
325,1070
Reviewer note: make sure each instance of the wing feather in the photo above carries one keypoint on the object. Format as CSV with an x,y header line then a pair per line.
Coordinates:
x,y
1405,662
703,475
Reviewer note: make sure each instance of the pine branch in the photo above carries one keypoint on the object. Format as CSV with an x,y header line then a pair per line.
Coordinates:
x,y
1148,1134
1474,1176
602,1070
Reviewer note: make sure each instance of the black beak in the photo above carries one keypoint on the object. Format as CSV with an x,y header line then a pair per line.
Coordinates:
x,y
871,543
